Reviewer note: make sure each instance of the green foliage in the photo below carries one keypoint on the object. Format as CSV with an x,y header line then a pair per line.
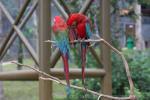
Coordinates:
x,y
144,2
117,71
139,65
137,92
92,84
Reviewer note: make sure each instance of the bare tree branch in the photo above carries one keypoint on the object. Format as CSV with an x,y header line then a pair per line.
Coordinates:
x,y
57,80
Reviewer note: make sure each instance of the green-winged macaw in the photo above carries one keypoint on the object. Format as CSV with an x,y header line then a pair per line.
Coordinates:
x,y
62,42
80,28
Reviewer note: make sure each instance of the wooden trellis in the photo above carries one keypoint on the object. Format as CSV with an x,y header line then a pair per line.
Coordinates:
x,y
44,49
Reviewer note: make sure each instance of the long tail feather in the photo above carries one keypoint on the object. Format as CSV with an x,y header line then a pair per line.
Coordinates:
x,y
83,56
66,68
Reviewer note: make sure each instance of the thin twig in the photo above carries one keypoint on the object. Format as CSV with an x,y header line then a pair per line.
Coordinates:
x,y
76,41
125,65
57,80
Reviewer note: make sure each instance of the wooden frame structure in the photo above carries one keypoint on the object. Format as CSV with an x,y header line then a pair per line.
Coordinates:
x,y
45,53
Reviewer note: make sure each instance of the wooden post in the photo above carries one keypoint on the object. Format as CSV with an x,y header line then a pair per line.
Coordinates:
x,y
45,87
105,51
1,84
140,45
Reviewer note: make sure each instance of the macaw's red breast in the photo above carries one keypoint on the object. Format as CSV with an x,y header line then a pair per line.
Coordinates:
x,y
81,30
59,24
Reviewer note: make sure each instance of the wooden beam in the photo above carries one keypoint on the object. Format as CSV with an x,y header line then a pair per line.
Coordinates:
x,y
16,23
86,6
19,33
27,75
55,57
60,8
30,75
105,51
95,55
45,87
65,7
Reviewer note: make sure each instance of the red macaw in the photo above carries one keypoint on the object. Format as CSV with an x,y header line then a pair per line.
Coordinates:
x,y
81,30
62,42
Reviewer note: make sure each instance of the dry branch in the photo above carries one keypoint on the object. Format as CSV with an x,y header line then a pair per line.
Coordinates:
x,y
57,80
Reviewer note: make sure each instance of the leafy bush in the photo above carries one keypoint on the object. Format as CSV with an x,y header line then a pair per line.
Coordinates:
x,y
139,63
139,67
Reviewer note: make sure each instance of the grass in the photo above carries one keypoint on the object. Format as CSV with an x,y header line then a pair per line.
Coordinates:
x,y
21,90
28,90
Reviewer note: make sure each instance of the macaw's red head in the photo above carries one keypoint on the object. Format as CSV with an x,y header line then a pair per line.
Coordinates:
x,y
72,19
59,24
75,19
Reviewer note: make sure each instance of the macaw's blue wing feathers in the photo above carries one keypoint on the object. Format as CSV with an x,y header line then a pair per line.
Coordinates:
x,y
88,30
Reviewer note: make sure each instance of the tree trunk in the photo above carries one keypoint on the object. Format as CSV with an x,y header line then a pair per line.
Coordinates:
x,y
1,85
140,45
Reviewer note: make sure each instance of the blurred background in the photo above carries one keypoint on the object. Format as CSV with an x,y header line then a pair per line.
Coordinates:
x,y
130,33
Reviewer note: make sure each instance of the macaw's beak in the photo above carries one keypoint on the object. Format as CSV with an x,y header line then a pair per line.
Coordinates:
x,y
73,25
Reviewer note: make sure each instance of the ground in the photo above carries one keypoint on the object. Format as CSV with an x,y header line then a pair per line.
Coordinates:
x,y
27,90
